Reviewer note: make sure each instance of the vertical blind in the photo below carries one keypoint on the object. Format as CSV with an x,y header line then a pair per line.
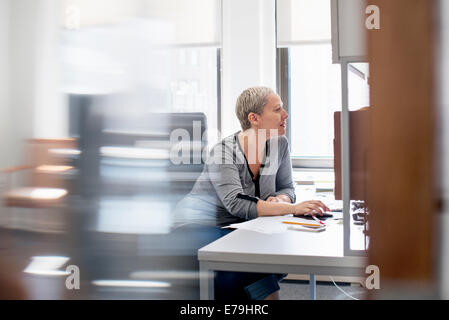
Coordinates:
x,y
192,21
318,21
300,21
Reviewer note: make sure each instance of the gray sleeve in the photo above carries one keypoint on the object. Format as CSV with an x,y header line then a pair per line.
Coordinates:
x,y
225,178
284,178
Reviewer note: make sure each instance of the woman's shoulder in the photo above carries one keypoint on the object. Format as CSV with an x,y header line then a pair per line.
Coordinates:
x,y
281,141
226,148
228,142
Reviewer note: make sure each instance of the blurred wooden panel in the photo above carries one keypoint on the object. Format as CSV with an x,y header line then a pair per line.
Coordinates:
x,y
48,166
402,178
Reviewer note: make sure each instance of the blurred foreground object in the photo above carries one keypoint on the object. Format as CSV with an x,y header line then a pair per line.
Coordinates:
x,y
11,287
403,185
40,188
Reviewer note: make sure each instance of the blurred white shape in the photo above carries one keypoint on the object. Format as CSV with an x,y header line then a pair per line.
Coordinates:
x,y
47,193
131,283
303,20
135,153
65,152
72,17
36,193
134,215
53,168
129,57
92,61
171,274
47,265
195,21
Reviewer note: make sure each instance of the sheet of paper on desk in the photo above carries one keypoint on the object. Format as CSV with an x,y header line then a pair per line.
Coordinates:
x,y
270,225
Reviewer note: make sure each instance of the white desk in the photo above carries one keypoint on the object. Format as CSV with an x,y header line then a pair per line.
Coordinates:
x,y
296,252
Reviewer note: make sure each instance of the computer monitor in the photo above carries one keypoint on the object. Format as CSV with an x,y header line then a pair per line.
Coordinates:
x,y
358,148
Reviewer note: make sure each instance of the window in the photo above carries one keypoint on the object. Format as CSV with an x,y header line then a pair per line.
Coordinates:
x,y
315,95
358,86
312,86
304,31
194,83
152,55
313,81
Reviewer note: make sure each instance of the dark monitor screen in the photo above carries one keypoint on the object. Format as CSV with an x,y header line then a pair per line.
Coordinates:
x,y
358,148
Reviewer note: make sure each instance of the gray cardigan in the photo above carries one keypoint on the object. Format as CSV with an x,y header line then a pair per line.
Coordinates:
x,y
226,185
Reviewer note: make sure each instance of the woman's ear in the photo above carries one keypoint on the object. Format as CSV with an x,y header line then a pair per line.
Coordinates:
x,y
253,118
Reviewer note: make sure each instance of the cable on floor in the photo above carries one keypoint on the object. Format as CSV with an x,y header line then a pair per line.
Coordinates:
x,y
347,294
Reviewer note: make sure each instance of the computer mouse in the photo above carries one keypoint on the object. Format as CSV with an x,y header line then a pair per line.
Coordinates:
x,y
319,217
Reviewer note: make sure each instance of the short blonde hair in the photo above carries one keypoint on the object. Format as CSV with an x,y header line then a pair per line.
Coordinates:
x,y
251,100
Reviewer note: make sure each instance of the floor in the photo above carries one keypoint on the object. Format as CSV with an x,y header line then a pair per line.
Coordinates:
x,y
299,290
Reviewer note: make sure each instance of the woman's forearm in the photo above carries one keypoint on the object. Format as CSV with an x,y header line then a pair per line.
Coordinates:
x,y
284,198
267,208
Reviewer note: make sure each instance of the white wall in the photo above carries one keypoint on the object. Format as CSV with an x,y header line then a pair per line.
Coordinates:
x,y
249,53
4,87
30,103
50,117
22,40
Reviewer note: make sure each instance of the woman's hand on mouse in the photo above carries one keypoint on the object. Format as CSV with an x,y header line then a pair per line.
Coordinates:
x,y
312,207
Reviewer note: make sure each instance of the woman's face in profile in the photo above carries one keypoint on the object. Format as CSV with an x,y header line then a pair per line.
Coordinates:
x,y
273,116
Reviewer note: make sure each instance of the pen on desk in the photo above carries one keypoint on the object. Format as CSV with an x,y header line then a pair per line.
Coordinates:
x,y
318,220
301,224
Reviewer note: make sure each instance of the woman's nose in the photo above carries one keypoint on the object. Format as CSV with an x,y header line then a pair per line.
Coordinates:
x,y
285,115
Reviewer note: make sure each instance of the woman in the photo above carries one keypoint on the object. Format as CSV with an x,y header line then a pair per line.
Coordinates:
x,y
248,175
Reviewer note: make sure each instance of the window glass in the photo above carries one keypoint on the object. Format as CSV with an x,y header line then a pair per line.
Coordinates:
x,y
315,92
302,20
153,56
358,87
